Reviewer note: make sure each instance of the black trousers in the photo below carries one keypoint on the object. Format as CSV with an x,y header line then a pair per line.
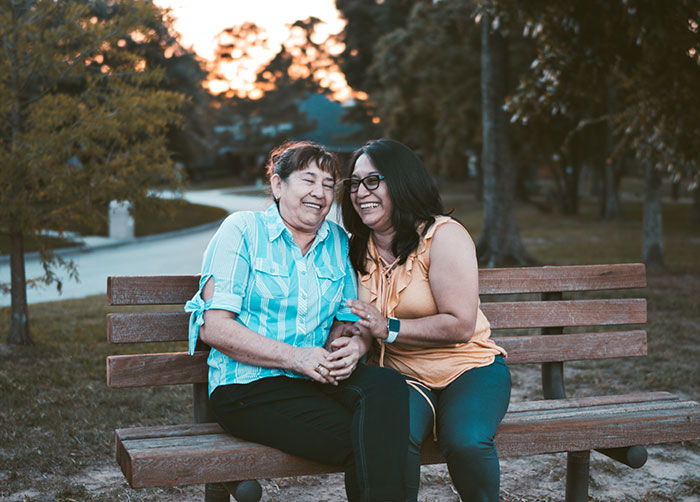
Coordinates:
x,y
362,424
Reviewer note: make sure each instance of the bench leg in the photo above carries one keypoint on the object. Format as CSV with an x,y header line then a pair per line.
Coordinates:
x,y
577,467
245,491
216,493
633,456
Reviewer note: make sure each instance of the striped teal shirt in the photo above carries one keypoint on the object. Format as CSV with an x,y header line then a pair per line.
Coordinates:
x,y
260,274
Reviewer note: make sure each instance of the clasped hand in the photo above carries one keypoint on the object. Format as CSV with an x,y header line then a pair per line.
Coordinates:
x,y
332,363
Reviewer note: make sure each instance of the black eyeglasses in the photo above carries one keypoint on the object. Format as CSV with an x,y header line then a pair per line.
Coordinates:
x,y
370,182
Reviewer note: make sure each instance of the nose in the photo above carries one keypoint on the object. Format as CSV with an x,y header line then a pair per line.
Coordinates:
x,y
362,190
317,189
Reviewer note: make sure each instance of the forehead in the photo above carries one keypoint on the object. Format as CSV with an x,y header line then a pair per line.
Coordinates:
x,y
312,169
364,166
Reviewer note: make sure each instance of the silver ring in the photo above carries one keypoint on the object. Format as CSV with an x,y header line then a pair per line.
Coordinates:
x,y
318,367
369,317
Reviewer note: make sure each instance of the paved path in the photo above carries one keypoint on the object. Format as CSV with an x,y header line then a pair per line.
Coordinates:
x,y
173,253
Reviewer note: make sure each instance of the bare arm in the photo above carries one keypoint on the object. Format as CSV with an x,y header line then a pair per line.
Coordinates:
x,y
454,281
222,332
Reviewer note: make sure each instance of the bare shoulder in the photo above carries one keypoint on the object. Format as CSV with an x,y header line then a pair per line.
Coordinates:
x,y
451,238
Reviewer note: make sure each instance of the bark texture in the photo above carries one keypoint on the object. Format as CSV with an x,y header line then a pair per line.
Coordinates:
x,y
500,243
19,315
652,240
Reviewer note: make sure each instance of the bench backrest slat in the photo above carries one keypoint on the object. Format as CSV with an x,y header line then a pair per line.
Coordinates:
x,y
172,326
143,370
177,289
561,278
179,368
151,290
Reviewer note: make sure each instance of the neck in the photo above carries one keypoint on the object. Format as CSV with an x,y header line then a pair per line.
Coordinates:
x,y
382,241
301,238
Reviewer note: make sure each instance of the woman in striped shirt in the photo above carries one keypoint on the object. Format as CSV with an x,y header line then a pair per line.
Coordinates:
x,y
273,285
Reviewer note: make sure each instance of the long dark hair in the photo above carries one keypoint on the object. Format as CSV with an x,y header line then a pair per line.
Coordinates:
x,y
414,197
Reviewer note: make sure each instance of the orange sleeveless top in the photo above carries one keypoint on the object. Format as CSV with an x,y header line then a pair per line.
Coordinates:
x,y
403,291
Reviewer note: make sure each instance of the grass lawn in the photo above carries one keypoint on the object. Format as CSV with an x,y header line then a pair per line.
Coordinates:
x,y
57,416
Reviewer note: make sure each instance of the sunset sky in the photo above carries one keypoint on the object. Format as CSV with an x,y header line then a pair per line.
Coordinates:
x,y
200,21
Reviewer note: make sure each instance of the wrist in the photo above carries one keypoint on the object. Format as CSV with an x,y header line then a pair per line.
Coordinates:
x,y
393,325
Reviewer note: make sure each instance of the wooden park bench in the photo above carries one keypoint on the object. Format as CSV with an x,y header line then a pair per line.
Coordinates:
x,y
615,425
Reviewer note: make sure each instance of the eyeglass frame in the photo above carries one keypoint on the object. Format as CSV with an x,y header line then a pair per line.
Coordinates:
x,y
350,182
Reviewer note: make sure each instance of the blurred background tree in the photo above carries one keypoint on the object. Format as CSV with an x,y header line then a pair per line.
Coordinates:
x,y
593,90
620,79
83,121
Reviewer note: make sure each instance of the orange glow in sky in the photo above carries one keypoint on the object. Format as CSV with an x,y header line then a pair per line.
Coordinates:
x,y
200,21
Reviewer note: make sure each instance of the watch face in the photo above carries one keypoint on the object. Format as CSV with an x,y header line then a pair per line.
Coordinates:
x,y
394,325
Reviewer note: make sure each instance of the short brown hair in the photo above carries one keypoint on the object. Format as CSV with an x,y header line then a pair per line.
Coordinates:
x,y
294,155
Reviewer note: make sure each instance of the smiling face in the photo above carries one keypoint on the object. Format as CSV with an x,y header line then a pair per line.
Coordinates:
x,y
304,198
374,207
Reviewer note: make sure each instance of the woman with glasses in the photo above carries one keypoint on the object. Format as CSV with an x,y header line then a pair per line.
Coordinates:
x,y
419,301
273,286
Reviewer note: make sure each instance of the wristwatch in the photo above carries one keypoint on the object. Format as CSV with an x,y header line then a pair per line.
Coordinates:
x,y
392,326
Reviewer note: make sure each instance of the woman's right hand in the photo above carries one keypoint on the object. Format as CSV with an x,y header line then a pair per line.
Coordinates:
x,y
311,362
371,321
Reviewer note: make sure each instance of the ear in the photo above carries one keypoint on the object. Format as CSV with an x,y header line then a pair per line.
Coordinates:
x,y
276,186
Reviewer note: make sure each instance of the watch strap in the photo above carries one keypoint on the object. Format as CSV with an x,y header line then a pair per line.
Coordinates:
x,y
393,325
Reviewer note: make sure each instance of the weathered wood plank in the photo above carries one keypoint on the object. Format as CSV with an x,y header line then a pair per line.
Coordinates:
x,y
573,347
174,368
172,326
581,402
176,289
151,290
561,278
565,313
147,327
144,370
167,431
216,457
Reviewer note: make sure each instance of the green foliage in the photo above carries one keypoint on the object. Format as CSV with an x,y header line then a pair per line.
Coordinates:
x,y
632,64
427,76
82,117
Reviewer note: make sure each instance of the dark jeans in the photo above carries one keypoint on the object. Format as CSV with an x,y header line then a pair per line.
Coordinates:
x,y
468,413
361,424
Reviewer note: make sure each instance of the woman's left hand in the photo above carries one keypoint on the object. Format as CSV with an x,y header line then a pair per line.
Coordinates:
x,y
346,353
371,319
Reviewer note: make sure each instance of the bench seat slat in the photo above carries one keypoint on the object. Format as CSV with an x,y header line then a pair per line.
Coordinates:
x,y
179,456
172,326
177,289
174,368
580,402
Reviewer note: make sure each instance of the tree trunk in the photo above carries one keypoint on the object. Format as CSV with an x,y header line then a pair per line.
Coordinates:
x,y
569,204
19,314
611,209
652,240
500,242
695,215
